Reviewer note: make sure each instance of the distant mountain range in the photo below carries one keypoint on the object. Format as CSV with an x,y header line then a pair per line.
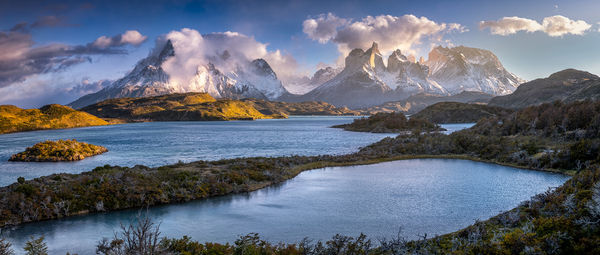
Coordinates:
x,y
568,85
364,81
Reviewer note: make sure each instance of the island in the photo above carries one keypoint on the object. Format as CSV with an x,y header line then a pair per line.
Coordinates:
x,y
392,122
455,112
61,150
193,106
53,116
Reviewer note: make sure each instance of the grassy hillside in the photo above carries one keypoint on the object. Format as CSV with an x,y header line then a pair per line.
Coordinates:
x,y
394,122
54,116
176,107
454,112
61,150
301,108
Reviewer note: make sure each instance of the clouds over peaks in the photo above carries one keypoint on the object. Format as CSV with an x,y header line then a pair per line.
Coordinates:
x,y
554,26
391,32
228,51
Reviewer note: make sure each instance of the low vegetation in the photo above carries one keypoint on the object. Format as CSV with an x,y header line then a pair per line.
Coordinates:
x,y
394,122
54,116
61,150
176,107
454,112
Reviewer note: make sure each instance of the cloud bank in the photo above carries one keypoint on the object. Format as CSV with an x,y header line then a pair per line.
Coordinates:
x,y
554,26
228,51
20,59
391,32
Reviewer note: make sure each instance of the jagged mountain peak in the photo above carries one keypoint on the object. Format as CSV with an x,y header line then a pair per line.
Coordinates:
x,y
371,58
470,69
221,76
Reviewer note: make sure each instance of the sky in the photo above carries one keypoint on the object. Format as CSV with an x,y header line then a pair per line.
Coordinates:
x,y
56,51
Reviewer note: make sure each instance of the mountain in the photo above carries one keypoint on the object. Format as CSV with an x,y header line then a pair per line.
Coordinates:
x,y
365,81
254,79
54,116
469,69
191,106
568,86
418,102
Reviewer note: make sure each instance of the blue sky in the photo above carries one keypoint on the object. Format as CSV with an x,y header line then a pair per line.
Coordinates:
x,y
279,24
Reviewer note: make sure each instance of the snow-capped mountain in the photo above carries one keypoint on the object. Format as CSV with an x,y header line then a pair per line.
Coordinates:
x,y
358,84
366,81
253,79
469,69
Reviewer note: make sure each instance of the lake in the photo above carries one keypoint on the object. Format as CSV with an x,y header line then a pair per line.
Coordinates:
x,y
419,196
160,143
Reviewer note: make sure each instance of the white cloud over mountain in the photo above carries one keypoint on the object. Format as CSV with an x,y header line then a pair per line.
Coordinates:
x,y
226,50
553,26
391,32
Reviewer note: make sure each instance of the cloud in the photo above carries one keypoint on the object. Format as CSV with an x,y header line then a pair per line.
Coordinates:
x,y
511,25
323,28
228,51
45,21
20,58
44,89
132,37
391,32
553,26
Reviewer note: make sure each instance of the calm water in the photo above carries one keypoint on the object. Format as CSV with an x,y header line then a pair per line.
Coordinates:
x,y
160,143
420,196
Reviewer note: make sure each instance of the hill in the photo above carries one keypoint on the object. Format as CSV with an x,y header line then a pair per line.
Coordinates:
x,y
569,85
418,102
393,122
54,116
176,107
454,112
301,108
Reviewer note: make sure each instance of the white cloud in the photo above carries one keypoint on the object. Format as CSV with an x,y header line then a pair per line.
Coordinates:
x,y
323,28
132,37
227,51
390,32
553,26
511,25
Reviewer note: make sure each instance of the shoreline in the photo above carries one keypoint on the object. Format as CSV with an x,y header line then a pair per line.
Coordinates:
x,y
292,173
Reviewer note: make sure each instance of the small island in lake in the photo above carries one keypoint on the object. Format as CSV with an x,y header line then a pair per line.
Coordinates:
x,y
393,122
61,150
